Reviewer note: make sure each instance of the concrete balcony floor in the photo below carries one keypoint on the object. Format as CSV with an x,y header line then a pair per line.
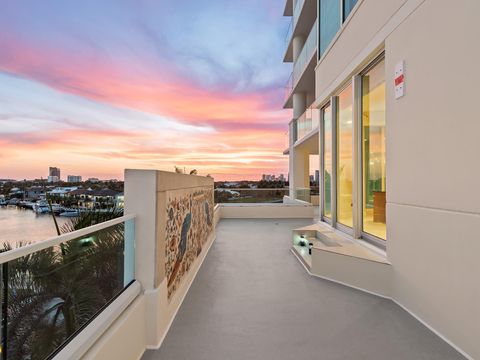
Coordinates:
x,y
252,299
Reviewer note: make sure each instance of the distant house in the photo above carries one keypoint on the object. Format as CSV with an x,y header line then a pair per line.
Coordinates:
x,y
62,191
90,199
34,193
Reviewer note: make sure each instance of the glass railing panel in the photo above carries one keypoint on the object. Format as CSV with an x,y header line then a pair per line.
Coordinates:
x,y
302,194
288,36
288,87
297,11
308,121
237,196
48,296
306,54
304,125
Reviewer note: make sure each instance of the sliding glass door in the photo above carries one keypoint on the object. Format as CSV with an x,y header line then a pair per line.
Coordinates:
x,y
345,157
373,151
327,141
353,156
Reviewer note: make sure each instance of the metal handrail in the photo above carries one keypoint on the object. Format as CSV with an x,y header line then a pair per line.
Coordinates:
x,y
42,245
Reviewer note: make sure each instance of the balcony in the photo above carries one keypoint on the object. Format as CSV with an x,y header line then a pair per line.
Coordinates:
x,y
308,121
303,17
251,299
188,279
302,77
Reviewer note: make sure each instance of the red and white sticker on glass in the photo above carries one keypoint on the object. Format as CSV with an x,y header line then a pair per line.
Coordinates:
x,y
399,80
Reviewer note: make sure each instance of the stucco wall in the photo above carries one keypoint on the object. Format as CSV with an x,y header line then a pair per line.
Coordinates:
x,y
433,197
369,18
433,168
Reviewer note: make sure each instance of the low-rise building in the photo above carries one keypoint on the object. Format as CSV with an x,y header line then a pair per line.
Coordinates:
x,y
34,193
74,178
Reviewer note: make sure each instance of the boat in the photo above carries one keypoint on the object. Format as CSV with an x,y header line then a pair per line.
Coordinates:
x,y
26,204
13,201
41,207
70,213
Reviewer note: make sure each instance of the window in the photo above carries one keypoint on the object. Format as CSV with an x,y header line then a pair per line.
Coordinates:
x,y
329,21
347,7
373,151
353,156
345,157
327,138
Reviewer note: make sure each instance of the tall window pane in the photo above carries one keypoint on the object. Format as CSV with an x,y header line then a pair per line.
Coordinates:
x,y
329,22
347,7
344,157
373,152
327,161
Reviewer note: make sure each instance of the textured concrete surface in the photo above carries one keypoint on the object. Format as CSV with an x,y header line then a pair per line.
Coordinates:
x,y
253,300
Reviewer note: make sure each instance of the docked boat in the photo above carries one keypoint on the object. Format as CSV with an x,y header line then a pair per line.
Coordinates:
x,y
70,213
41,207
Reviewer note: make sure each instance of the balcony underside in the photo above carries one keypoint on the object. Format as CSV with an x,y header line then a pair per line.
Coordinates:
x,y
253,300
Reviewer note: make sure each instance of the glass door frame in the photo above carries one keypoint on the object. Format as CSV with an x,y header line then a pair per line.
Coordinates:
x,y
359,149
329,220
357,158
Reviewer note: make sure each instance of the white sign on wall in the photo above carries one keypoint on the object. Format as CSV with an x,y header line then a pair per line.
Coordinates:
x,y
399,80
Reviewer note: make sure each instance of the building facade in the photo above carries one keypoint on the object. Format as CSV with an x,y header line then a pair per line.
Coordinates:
x,y
74,178
53,174
384,92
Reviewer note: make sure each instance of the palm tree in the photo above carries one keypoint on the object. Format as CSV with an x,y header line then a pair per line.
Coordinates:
x,y
54,292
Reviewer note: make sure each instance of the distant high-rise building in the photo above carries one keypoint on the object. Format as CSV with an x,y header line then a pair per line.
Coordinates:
x,y
53,174
74,178
312,178
281,177
317,176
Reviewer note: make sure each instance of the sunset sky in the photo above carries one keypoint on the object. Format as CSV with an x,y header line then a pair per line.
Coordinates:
x,y
94,87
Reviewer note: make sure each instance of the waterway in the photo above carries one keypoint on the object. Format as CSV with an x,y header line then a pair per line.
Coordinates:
x,y
25,226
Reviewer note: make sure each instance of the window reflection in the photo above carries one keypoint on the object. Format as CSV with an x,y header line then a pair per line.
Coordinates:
x,y
344,158
373,152
347,7
327,161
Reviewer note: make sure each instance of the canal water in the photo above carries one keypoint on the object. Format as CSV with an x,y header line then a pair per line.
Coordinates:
x,y
22,225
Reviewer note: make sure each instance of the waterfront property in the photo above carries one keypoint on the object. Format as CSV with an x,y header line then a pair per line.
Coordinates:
x,y
126,280
384,267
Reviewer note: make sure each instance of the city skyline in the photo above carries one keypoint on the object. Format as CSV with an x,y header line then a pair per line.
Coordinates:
x,y
149,87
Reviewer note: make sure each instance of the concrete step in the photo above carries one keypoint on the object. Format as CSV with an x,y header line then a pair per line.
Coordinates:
x,y
336,257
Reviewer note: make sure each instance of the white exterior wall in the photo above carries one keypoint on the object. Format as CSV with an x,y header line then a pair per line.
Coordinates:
x,y
433,197
433,168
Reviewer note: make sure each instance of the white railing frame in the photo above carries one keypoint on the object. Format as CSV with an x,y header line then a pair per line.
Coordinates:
x,y
42,245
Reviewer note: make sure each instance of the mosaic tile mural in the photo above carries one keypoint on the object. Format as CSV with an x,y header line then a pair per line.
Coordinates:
x,y
189,225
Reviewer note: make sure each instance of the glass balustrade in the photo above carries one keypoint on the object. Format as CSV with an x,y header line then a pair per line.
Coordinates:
x,y
235,196
297,11
308,121
49,295
306,54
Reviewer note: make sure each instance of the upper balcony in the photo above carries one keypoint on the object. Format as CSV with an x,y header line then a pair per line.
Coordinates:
x,y
308,122
302,78
303,16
